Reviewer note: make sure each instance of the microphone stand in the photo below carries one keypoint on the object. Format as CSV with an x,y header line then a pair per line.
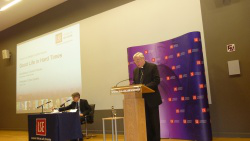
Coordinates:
x,y
43,105
122,81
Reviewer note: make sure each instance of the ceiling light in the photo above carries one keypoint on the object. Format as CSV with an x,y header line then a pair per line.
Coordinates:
x,y
9,5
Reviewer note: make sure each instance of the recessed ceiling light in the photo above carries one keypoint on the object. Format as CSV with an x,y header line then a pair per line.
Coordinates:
x,y
9,5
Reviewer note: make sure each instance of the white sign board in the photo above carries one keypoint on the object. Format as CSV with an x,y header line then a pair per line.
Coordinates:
x,y
231,48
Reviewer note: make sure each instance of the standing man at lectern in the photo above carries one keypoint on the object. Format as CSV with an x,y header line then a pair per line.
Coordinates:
x,y
147,74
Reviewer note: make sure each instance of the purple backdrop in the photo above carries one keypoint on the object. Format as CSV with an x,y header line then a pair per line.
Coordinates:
x,y
184,113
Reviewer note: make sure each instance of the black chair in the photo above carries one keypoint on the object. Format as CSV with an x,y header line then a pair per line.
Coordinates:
x,y
89,119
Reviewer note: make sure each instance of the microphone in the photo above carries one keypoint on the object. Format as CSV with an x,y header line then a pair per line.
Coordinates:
x,y
64,103
122,81
43,104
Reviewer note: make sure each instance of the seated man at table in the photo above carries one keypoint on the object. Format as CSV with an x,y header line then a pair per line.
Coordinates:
x,y
81,105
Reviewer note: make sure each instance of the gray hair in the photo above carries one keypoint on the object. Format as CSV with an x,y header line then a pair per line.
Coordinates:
x,y
76,94
138,54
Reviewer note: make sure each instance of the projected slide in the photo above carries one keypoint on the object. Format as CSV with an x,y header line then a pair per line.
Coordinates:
x,y
48,69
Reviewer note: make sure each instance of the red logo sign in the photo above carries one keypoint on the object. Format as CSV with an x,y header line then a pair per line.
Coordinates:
x,y
198,62
173,67
189,51
184,121
191,73
172,46
146,51
194,97
180,76
169,99
197,121
177,111
172,121
166,57
153,59
41,128
204,110
196,39
182,98
168,78
175,89
201,86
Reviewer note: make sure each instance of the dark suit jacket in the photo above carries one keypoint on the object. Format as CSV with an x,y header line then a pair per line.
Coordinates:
x,y
84,107
151,79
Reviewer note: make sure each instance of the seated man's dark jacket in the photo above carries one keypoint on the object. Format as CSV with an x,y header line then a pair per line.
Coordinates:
x,y
84,107
151,79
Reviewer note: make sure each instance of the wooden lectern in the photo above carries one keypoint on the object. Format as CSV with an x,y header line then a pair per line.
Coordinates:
x,y
134,111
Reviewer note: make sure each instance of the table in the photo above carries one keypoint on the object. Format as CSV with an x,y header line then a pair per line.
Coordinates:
x,y
54,127
114,125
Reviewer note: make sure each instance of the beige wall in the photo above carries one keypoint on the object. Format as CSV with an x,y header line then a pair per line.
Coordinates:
x,y
223,24
105,38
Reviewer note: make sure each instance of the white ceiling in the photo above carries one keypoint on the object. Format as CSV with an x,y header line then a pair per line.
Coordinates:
x,y
24,10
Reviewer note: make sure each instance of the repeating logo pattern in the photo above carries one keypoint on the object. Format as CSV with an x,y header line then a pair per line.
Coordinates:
x,y
184,112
